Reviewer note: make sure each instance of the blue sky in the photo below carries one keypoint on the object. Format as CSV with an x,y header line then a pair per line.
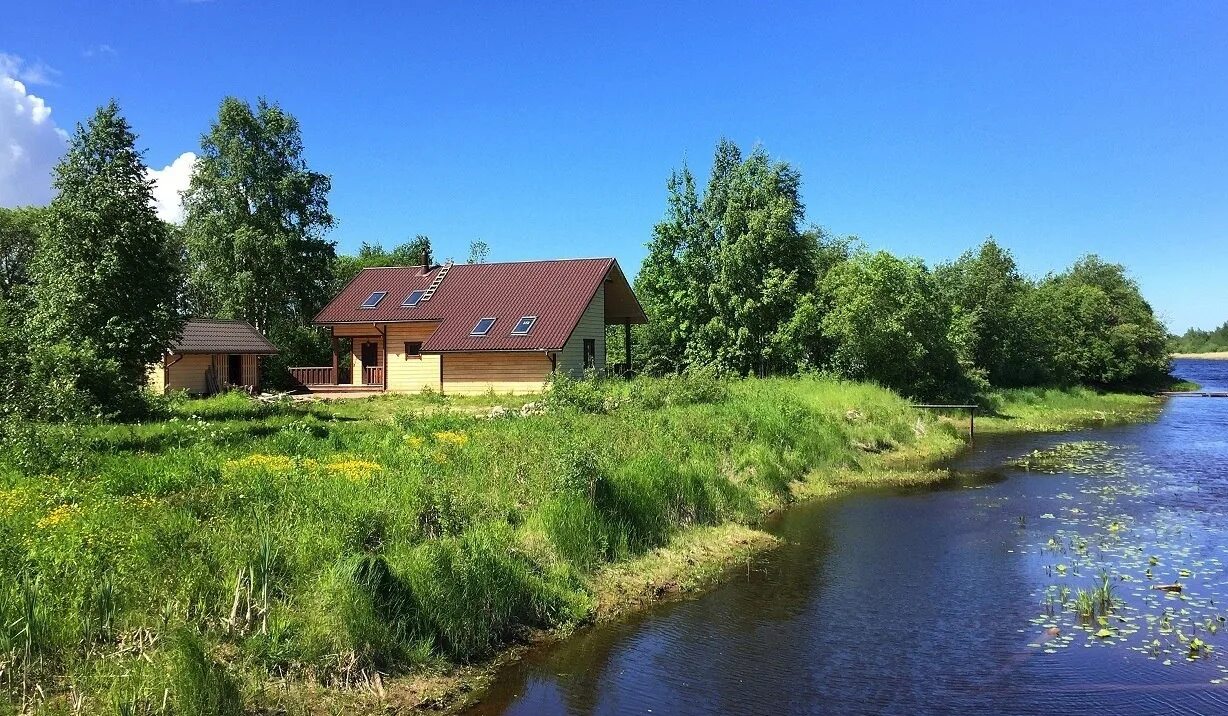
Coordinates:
x,y
1060,128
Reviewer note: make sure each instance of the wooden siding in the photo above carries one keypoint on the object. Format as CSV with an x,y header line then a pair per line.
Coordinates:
x,y
410,374
187,372
155,378
356,355
357,329
591,325
477,373
251,367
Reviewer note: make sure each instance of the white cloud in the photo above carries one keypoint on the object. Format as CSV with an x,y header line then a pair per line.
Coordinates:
x,y
37,73
103,50
169,181
30,142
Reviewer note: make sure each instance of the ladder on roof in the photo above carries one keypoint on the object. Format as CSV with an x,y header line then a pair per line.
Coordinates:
x,y
430,291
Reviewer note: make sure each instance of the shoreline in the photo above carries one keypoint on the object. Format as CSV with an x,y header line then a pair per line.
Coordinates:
x,y
1214,355
700,558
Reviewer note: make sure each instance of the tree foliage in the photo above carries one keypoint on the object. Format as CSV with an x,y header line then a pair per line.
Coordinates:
x,y
733,281
990,335
889,324
479,251
1199,341
255,219
107,273
409,253
727,273
1098,328
19,232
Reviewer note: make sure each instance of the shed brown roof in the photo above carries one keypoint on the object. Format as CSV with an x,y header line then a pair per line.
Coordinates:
x,y
557,292
216,335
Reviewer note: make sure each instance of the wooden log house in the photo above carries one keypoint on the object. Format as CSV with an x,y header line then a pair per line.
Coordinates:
x,y
471,328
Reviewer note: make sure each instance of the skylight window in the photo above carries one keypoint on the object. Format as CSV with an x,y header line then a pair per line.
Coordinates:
x,y
482,327
412,299
524,325
374,299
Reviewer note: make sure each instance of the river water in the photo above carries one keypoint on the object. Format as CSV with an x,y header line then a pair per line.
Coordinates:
x,y
958,599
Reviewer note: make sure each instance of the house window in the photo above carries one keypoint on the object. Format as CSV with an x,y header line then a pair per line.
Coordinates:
x,y
412,299
590,353
413,349
482,327
524,325
374,299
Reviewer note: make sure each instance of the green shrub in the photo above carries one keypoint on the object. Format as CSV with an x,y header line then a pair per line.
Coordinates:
x,y
587,394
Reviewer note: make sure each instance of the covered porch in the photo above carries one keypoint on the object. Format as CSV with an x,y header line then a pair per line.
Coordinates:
x,y
361,368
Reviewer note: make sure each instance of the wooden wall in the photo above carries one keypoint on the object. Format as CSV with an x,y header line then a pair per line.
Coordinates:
x,y
361,333
410,374
591,325
356,355
188,372
477,373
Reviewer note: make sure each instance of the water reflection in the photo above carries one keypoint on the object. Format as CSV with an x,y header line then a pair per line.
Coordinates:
x,y
923,602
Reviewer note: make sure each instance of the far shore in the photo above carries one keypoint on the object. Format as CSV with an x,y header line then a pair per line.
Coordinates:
x,y
1218,355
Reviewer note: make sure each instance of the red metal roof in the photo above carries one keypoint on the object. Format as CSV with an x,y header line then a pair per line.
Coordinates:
x,y
557,292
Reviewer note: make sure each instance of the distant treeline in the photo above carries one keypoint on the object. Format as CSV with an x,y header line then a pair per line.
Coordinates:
x,y
735,281
1199,341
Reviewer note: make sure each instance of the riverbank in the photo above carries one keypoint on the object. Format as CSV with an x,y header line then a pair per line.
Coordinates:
x,y
350,555
1214,355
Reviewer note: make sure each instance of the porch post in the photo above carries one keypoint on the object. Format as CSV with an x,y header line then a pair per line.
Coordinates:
x,y
627,344
336,376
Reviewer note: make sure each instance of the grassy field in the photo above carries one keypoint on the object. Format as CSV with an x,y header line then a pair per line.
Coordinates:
x,y
301,556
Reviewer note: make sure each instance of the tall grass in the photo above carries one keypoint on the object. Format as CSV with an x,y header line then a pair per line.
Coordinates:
x,y
173,565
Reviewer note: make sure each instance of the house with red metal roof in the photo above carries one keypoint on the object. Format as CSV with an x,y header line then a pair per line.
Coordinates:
x,y
471,328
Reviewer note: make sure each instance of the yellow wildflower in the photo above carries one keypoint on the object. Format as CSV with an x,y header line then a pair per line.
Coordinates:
x,y
57,516
448,437
355,469
271,463
414,441
11,501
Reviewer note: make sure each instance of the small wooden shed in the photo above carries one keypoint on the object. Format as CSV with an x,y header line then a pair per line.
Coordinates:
x,y
212,355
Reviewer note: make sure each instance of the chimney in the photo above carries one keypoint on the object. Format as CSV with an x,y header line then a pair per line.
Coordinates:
x,y
426,259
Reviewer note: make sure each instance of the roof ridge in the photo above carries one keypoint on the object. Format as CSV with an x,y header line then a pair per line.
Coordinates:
x,y
496,263
199,319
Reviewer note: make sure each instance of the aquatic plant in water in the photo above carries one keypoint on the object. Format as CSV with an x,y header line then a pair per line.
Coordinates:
x,y
1089,457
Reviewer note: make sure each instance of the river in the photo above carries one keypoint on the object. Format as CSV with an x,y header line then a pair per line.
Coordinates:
x,y
959,599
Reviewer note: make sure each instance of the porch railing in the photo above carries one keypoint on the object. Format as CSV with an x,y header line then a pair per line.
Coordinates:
x,y
314,375
373,375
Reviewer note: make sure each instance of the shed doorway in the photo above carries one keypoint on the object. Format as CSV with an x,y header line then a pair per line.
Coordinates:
x,y
234,369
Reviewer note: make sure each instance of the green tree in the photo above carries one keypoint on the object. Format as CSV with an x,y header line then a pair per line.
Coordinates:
x,y
255,219
107,272
1098,328
664,285
766,263
479,251
409,253
729,277
890,325
1199,341
984,289
19,232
